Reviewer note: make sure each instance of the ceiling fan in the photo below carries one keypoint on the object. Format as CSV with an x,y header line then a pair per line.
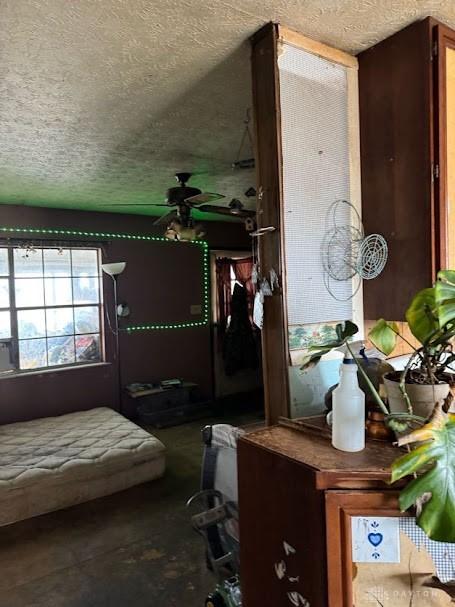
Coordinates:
x,y
185,198
182,199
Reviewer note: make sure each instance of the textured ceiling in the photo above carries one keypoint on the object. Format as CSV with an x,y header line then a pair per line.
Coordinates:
x,y
101,101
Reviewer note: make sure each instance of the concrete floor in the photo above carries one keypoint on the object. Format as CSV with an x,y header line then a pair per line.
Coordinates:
x,y
134,548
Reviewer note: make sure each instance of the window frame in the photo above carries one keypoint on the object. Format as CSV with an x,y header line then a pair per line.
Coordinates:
x,y
14,339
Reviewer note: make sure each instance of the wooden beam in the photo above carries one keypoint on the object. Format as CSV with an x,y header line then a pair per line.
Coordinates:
x,y
266,102
316,48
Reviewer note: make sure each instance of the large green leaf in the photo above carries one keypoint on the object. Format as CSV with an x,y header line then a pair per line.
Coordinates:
x,y
435,486
343,330
384,336
445,297
314,354
422,315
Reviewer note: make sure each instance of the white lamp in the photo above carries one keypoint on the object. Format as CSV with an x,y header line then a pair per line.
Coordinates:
x,y
113,269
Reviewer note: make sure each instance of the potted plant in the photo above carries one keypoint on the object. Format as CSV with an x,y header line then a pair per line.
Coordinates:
x,y
431,460
427,376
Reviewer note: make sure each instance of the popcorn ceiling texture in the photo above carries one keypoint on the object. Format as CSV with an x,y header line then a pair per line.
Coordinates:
x,y
101,101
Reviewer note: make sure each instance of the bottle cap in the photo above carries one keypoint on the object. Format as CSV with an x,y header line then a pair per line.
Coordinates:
x,y
348,359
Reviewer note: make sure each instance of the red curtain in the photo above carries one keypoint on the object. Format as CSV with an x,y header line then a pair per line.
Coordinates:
x,y
223,285
243,269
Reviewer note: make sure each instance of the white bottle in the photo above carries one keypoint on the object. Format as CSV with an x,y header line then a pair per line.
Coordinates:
x,y
348,404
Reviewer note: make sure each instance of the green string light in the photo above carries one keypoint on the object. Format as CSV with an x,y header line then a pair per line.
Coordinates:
x,y
144,327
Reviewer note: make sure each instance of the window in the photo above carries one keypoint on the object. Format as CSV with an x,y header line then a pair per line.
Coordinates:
x,y
50,307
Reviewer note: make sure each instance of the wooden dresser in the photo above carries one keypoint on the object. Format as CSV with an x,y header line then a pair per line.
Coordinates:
x,y
296,497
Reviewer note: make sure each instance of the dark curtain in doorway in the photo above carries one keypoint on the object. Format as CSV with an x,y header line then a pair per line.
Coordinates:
x,y
239,347
223,285
243,269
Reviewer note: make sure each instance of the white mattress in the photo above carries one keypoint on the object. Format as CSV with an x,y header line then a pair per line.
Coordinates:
x,y
50,463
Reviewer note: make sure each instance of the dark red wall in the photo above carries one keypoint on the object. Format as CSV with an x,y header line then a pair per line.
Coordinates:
x,y
160,283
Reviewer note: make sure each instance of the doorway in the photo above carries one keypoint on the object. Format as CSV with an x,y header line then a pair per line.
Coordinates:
x,y
241,377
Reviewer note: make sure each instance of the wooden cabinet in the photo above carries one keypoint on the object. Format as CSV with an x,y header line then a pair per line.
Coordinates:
x,y
297,497
407,140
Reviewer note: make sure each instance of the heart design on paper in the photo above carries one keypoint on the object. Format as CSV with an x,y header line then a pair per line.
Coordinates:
x,y
375,538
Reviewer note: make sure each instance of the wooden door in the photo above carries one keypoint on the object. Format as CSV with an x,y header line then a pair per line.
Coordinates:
x,y
302,91
398,165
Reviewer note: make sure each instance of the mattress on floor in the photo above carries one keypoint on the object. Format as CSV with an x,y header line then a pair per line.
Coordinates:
x,y
55,462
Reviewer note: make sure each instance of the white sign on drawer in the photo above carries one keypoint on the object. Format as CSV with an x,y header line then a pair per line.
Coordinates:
x,y
375,539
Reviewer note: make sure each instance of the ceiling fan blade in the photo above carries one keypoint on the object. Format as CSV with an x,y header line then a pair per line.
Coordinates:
x,y
204,197
165,219
213,208
132,204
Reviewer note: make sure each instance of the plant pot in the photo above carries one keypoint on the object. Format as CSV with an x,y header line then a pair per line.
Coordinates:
x,y
376,428
423,397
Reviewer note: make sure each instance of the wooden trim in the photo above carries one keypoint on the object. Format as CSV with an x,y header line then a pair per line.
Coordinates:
x,y
266,102
334,550
444,38
316,48
355,178
340,507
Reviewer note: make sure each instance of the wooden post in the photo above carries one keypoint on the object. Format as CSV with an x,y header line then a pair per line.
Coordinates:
x,y
266,102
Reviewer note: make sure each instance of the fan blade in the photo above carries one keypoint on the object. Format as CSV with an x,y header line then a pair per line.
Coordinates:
x,y
204,197
165,219
213,208
132,204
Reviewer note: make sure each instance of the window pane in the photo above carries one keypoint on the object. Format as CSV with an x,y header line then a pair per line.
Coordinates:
x,y
5,357
4,293
86,319
59,321
85,262
58,291
57,262
4,266
32,353
87,347
60,350
28,263
85,290
5,325
31,323
29,292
